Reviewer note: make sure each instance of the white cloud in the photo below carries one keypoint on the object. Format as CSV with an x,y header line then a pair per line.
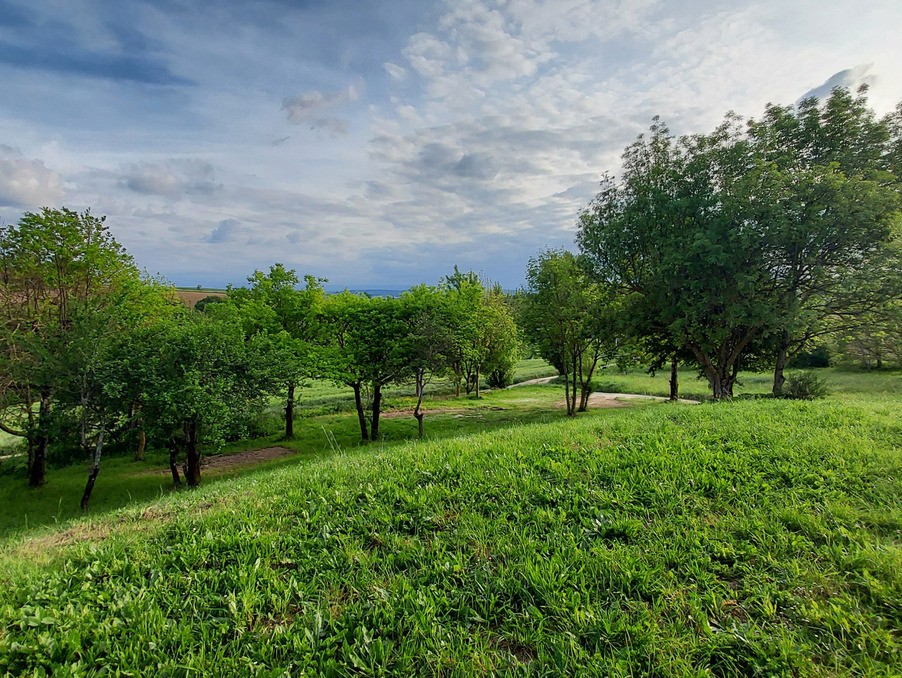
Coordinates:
x,y
394,71
27,182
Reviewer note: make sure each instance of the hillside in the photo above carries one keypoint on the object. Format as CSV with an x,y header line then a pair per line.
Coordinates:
x,y
754,536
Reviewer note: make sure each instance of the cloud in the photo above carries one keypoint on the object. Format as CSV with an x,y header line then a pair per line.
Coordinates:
x,y
27,182
173,179
394,71
309,109
850,78
226,231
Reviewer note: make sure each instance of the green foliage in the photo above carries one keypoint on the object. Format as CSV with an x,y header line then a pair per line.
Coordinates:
x,y
752,239
571,548
570,319
805,386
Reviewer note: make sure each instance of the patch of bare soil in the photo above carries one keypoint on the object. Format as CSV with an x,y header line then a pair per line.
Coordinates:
x,y
227,461
599,401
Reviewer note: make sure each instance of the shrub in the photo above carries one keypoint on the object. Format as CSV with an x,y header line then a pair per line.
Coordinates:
x,y
501,378
816,357
804,386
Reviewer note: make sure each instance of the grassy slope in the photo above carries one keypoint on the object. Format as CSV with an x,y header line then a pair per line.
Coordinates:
x,y
756,535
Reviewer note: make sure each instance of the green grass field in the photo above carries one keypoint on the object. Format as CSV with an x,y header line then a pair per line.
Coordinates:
x,y
758,537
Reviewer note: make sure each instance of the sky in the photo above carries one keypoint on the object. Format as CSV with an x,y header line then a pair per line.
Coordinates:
x,y
379,143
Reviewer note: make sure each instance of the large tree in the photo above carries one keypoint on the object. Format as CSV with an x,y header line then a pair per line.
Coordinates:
x,y
726,245
52,263
832,201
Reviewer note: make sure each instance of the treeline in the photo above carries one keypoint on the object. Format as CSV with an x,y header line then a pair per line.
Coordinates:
x,y
94,354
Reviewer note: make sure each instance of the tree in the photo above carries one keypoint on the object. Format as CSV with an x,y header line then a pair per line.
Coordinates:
x,y
724,245
198,377
285,323
364,350
834,198
427,341
51,263
567,316
95,381
483,333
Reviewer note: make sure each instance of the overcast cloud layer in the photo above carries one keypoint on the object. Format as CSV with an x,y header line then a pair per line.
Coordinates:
x,y
379,142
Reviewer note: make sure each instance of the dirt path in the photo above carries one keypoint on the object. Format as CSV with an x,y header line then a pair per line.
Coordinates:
x,y
227,461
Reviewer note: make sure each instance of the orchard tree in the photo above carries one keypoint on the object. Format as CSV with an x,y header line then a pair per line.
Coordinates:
x,y
364,351
427,340
95,381
483,333
51,263
569,317
833,203
730,242
199,380
284,322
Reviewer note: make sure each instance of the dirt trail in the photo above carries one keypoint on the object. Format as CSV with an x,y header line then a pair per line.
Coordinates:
x,y
227,461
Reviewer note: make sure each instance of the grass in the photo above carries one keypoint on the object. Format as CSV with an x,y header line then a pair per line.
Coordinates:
x,y
752,537
123,481
758,537
839,381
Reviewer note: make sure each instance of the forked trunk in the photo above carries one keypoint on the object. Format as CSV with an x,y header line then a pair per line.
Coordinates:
x,y
361,415
674,380
289,413
93,472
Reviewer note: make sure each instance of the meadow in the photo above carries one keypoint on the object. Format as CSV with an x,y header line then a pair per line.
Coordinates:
x,y
752,537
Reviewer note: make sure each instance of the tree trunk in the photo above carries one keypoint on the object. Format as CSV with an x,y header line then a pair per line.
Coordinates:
x,y
782,359
377,407
361,415
93,472
32,444
38,470
192,467
674,380
567,388
721,382
173,460
477,383
142,444
417,411
289,413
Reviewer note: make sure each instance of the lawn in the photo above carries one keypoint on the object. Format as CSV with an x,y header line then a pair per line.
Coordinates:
x,y
753,537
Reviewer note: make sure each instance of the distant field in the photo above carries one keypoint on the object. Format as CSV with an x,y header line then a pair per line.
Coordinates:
x,y
192,295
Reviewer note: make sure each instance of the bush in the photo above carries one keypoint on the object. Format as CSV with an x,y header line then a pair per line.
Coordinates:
x,y
804,386
501,378
816,357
